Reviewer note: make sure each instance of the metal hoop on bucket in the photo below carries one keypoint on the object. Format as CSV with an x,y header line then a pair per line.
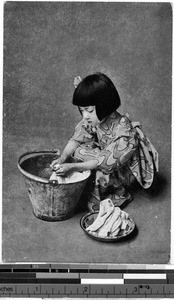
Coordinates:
x,y
34,153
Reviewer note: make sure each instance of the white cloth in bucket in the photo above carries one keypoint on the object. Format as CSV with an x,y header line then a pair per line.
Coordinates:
x,y
73,177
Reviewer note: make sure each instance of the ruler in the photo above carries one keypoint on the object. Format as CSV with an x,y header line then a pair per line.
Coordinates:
x,y
86,281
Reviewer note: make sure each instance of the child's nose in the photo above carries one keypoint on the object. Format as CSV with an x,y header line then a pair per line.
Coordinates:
x,y
86,115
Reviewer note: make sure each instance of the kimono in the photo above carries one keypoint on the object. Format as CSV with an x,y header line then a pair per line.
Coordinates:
x,y
122,152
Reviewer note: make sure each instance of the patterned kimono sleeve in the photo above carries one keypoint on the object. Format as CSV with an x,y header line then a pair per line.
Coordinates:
x,y
121,149
81,134
117,152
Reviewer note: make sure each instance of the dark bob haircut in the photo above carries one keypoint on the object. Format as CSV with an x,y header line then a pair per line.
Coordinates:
x,y
99,91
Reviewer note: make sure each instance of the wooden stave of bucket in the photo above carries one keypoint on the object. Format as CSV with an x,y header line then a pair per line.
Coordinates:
x,y
51,202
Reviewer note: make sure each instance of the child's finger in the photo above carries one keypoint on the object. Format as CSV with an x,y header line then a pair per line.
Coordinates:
x,y
55,165
52,165
58,152
60,171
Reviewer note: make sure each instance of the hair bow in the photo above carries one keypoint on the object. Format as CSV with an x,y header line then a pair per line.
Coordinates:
x,y
77,80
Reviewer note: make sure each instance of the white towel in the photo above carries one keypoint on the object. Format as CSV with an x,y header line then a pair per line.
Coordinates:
x,y
110,220
106,209
74,177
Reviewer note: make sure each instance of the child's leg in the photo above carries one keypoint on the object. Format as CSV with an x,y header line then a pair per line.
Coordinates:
x,y
98,193
104,183
121,179
111,186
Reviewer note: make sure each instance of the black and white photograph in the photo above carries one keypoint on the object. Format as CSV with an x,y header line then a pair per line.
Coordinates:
x,y
87,114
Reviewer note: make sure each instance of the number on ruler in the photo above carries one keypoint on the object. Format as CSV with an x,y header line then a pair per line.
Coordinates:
x,y
85,290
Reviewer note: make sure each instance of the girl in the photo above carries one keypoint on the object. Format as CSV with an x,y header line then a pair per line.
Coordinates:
x,y
108,143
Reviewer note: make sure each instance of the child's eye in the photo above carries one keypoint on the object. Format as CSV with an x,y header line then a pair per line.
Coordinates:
x,y
90,110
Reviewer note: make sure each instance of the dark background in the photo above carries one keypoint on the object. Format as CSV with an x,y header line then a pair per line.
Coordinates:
x,y
46,44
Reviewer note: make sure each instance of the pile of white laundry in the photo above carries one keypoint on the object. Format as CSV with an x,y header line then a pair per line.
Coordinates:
x,y
110,220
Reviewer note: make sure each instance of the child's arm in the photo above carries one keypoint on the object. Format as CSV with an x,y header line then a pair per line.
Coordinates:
x,y
78,138
81,166
117,153
67,152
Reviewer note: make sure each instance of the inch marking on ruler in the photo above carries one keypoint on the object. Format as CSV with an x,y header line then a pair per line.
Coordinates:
x,y
61,281
75,290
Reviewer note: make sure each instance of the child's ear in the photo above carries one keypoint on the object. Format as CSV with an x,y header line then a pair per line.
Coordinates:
x,y
77,80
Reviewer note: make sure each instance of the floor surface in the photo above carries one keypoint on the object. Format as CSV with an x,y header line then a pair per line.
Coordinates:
x,y
27,238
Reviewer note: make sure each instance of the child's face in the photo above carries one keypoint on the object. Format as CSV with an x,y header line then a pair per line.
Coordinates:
x,y
89,114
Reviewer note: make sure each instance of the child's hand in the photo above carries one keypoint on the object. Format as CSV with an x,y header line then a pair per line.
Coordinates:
x,y
56,163
64,169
